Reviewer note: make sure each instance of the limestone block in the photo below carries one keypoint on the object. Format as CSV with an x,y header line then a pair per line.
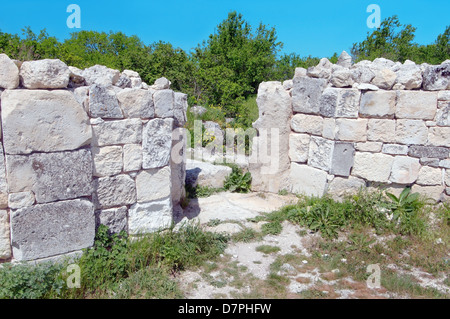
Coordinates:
x,y
329,101
299,147
9,73
157,143
164,103
206,174
306,94
444,96
329,128
128,131
180,109
374,167
395,149
409,76
150,217
82,96
21,200
46,121
444,163
362,73
342,78
430,176
115,219
300,72
343,159
307,180
45,74
340,103
411,132
321,70
432,162
384,78
5,244
103,103
51,176
137,103
428,152
373,147
405,170
304,123
341,187
101,75
447,177
153,184
416,105
432,192
439,136
114,191
76,78
344,60
353,130
320,153
47,230
443,113
107,160
132,157
161,84
381,130
436,77
379,104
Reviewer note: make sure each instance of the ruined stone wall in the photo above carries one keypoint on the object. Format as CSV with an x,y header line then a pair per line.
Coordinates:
x,y
80,148
362,125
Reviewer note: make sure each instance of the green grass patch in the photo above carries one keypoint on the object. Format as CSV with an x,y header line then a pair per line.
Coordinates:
x,y
267,249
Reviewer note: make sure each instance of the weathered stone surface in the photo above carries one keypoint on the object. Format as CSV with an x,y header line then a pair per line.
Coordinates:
x,y
443,113
3,182
198,110
21,200
123,82
343,159
115,219
366,87
136,81
340,103
304,123
299,147
107,160
137,103
150,217
178,166
45,74
114,191
321,70
320,153
9,73
432,162
342,78
416,105
362,73
307,180
128,131
444,96
288,85
378,104
76,78
341,187
180,109
405,170
344,60
447,177
161,84
153,184
436,77
372,166
439,136
132,157
164,103
409,76
381,130
5,244
353,130
429,152
328,102
432,192
101,75
395,149
82,96
48,177
46,121
300,72
103,103
329,128
206,174
373,147
47,230
157,143
429,176
444,163
411,132
384,78
306,94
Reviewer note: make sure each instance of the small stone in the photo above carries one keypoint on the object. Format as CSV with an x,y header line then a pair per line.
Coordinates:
x,y
306,94
343,158
45,74
344,60
101,75
205,174
137,103
320,153
150,217
322,70
439,136
161,84
21,200
341,187
198,110
384,78
395,149
5,244
436,77
299,147
429,152
416,105
373,147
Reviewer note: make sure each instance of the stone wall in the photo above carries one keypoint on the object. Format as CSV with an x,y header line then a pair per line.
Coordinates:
x,y
362,125
80,148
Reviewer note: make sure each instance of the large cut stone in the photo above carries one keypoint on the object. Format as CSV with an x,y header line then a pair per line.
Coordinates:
x,y
306,94
405,170
373,147
103,103
409,76
372,166
416,105
395,149
47,230
99,74
352,130
380,130
304,123
299,147
51,176
137,103
430,176
443,113
432,192
341,187
320,153
384,78
5,245
157,143
205,174
180,109
307,180
342,78
428,152
328,102
343,159
378,104
437,77
439,136
43,121
164,103
9,73
153,184
150,217
115,219
120,132
340,103
107,160
45,74
114,191
132,157
411,132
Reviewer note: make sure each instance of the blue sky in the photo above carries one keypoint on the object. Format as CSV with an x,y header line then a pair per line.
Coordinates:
x,y
316,27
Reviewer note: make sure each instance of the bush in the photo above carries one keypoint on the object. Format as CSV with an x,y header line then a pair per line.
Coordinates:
x,y
237,181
